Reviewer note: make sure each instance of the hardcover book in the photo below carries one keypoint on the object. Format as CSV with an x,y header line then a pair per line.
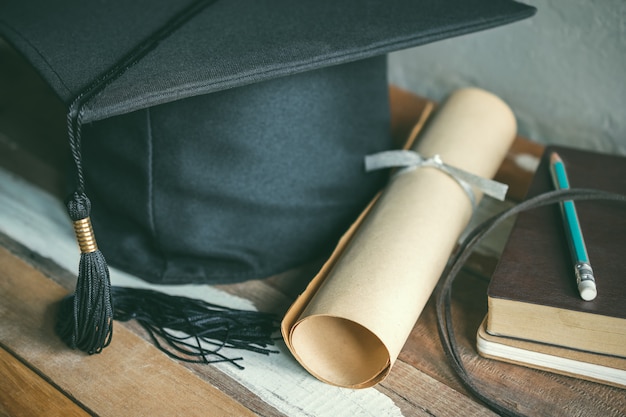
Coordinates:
x,y
533,294
606,369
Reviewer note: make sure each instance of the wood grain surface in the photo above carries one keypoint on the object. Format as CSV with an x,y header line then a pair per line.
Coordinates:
x,y
132,378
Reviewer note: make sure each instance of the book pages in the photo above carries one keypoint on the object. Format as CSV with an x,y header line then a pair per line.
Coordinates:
x,y
348,327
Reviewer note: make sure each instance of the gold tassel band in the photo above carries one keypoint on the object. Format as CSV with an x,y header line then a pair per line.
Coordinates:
x,y
84,235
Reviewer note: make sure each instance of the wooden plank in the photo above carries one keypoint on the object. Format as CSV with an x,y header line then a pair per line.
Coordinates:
x,y
209,374
424,395
130,378
266,383
423,370
24,393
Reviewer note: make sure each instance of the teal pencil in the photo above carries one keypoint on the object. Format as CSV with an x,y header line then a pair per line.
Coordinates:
x,y
582,268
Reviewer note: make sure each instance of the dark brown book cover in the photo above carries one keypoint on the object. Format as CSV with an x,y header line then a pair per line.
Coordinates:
x,y
536,266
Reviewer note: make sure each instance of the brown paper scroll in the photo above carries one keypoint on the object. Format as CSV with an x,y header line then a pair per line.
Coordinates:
x,y
348,327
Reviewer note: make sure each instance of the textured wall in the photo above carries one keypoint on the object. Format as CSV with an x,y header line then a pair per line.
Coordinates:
x,y
563,71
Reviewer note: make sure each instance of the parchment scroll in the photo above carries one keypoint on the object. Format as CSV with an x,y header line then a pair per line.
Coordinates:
x,y
348,327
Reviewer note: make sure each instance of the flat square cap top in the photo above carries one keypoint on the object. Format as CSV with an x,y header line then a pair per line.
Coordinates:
x,y
140,53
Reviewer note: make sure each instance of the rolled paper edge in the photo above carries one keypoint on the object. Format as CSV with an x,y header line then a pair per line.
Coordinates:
x,y
379,369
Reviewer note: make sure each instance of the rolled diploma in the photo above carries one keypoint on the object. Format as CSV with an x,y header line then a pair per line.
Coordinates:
x,y
355,319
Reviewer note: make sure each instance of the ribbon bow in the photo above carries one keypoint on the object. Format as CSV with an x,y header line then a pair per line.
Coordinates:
x,y
409,160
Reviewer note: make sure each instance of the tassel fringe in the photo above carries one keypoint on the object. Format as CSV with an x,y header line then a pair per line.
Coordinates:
x,y
85,318
193,330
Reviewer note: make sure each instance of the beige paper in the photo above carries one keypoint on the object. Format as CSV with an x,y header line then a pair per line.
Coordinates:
x,y
350,324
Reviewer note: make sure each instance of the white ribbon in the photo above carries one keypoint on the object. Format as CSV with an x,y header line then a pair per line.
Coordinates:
x,y
410,160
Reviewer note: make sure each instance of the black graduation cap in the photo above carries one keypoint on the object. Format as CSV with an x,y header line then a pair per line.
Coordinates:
x,y
221,140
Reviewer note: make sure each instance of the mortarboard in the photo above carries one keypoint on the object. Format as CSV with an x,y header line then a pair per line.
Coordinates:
x,y
220,141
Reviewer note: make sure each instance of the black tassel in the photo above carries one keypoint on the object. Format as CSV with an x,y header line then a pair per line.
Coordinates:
x,y
193,330
187,329
85,319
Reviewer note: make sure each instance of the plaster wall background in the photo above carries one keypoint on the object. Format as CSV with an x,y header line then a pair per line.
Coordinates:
x,y
563,71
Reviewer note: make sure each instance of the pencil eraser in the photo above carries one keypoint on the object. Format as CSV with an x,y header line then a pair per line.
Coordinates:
x,y
587,290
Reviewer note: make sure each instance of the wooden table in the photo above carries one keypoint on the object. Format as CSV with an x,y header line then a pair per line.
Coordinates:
x,y
40,376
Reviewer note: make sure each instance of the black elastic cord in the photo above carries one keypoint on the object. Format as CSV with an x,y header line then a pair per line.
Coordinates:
x,y
444,292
